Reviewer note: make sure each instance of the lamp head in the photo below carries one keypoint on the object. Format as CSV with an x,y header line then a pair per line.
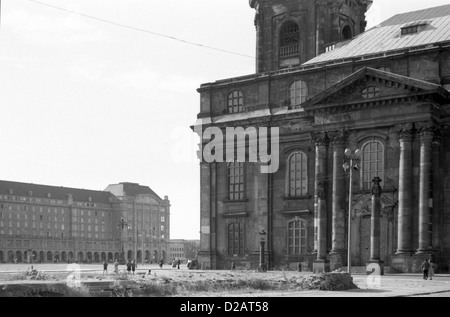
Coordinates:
x,y
348,152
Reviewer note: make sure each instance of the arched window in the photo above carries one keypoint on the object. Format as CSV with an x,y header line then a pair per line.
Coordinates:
x,y
297,237
298,174
235,238
347,33
372,163
298,92
235,102
289,39
236,181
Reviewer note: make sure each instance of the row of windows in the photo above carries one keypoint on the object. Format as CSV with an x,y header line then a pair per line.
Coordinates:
x,y
49,201
298,93
297,172
296,238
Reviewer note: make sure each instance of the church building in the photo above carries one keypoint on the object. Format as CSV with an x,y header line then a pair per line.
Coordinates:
x,y
363,147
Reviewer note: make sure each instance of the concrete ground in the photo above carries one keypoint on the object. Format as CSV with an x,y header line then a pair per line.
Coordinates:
x,y
389,285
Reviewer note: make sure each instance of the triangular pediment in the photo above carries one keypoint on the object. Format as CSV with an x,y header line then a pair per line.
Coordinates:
x,y
369,85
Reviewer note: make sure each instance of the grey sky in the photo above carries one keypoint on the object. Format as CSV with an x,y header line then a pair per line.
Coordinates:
x,y
87,103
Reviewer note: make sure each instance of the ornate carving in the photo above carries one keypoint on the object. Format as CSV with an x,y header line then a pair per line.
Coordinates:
x,y
322,6
376,188
340,138
321,138
406,133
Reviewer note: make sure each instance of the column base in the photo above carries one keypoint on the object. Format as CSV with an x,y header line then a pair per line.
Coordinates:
x,y
321,266
402,262
205,260
375,267
337,260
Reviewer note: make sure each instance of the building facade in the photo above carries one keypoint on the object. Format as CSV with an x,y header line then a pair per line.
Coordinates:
x,y
184,250
329,85
40,223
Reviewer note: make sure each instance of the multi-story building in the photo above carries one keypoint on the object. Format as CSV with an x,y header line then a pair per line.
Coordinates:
x,y
329,85
184,249
40,223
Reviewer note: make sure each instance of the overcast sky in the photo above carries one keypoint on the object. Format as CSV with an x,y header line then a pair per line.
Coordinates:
x,y
104,91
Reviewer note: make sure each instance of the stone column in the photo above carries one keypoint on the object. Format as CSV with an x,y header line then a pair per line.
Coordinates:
x,y
405,195
437,191
320,210
338,245
426,139
375,223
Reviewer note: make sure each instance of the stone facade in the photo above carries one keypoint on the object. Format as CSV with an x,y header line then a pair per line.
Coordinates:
x,y
40,223
392,106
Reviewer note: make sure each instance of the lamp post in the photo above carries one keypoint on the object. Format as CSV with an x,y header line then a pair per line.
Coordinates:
x,y
122,224
350,165
262,241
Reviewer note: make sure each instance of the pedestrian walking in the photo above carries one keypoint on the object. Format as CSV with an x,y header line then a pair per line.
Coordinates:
x,y
425,267
178,263
105,267
133,266
116,267
128,267
431,270
161,262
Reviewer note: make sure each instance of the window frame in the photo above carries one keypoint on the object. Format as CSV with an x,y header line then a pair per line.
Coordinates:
x,y
235,238
299,237
303,175
366,183
298,92
289,39
231,192
235,102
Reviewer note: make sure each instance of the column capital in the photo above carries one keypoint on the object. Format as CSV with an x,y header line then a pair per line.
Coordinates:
x,y
321,138
406,133
376,188
322,6
339,139
427,130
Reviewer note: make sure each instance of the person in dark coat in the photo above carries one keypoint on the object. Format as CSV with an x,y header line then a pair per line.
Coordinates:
x,y
105,267
425,267
133,266
129,267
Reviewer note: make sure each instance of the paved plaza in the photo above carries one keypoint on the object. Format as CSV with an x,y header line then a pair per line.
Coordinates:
x,y
390,285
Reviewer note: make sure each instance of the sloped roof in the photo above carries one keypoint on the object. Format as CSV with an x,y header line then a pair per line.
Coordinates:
x,y
61,193
387,36
131,189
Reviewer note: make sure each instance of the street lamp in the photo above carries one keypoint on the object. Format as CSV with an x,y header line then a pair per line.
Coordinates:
x,y
349,165
122,224
262,241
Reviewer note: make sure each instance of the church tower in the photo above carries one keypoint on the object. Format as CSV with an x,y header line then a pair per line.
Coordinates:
x,y
291,32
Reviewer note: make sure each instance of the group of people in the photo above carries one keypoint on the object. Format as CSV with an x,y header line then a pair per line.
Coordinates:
x,y
428,269
131,267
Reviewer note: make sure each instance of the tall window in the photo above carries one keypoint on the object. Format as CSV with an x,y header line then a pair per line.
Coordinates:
x,y
235,102
298,92
289,39
298,175
236,181
297,237
235,238
372,163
